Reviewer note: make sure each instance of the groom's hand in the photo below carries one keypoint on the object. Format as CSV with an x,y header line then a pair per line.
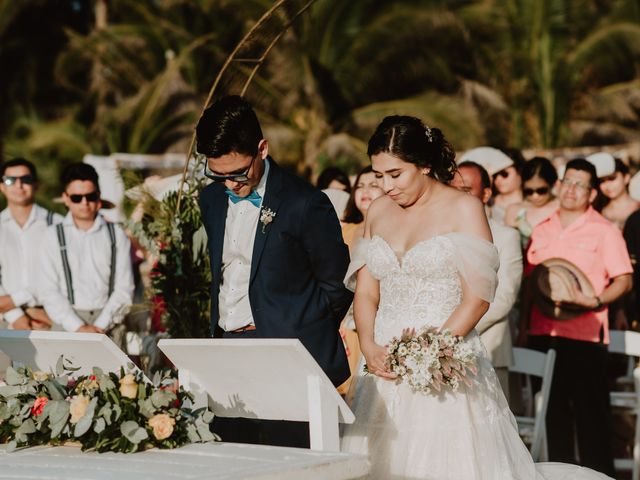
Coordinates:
x,y
375,356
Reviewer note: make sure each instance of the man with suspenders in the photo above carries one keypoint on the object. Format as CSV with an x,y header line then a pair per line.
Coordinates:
x,y
87,281
22,227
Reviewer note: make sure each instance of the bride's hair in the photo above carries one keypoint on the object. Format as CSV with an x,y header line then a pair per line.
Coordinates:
x,y
412,141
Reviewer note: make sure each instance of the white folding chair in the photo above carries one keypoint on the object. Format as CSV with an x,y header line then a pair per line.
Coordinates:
x,y
628,343
532,429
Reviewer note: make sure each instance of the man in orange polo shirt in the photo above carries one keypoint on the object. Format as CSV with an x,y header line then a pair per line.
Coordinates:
x,y
579,397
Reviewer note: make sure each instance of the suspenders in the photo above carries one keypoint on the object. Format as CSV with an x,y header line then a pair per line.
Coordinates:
x,y
65,260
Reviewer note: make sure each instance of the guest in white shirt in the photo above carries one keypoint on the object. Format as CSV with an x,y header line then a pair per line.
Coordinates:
x,y
94,293
493,327
22,226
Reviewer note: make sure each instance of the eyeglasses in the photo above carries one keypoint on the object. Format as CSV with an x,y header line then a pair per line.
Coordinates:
x,y
91,197
241,177
578,185
502,173
538,191
24,179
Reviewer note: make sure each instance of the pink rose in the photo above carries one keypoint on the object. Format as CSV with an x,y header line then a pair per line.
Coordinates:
x,y
38,406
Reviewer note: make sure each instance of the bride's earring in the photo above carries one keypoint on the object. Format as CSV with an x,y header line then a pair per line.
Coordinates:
x,y
426,171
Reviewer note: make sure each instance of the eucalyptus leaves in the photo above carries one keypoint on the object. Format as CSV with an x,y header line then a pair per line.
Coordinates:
x,y
102,412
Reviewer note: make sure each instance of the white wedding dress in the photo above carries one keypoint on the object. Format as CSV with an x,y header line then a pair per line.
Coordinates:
x,y
469,434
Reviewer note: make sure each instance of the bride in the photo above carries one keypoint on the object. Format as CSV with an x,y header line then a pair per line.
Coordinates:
x,y
427,259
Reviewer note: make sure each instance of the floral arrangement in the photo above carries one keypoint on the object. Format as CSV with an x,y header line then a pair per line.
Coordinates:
x,y
180,278
101,412
430,360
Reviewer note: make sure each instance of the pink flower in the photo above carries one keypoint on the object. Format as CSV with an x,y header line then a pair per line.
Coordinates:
x,y
38,406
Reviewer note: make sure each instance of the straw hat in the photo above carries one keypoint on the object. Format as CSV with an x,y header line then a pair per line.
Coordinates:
x,y
492,159
553,281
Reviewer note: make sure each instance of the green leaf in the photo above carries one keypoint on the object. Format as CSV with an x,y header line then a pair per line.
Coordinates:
x,y
58,411
207,416
60,366
205,433
99,426
12,377
27,427
162,398
7,391
133,432
117,410
146,408
105,413
55,390
192,433
84,424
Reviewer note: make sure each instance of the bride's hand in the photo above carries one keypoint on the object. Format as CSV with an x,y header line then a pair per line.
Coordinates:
x,y
375,356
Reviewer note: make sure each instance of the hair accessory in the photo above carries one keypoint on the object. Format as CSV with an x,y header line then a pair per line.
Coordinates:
x,y
427,132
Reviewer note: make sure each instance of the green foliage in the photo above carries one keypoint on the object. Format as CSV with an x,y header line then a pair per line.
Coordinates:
x,y
103,412
181,277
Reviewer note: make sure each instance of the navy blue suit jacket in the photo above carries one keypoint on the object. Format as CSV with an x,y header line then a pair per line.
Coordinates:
x,y
296,286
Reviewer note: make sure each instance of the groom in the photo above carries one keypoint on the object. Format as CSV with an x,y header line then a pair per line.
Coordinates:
x,y
277,256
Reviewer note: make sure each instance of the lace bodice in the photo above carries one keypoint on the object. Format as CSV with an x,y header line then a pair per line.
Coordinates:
x,y
421,287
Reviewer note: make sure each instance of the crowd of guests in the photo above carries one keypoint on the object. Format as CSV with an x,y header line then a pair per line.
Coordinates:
x,y
74,273
576,224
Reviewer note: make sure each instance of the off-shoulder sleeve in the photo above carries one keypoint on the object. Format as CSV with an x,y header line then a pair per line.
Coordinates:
x,y
358,260
477,262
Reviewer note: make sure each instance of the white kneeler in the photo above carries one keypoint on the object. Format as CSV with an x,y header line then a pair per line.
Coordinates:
x,y
271,379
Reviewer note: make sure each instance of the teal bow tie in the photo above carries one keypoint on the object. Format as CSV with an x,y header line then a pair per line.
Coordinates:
x,y
254,198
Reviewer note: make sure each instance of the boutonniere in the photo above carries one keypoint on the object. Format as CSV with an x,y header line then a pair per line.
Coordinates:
x,y
266,217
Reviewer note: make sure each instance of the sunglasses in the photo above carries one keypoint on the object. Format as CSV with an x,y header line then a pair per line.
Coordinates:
x,y
502,173
24,179
538,191
241,177
91,197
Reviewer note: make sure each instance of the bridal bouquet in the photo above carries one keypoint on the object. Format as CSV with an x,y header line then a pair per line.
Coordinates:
x,y
105,412
429,359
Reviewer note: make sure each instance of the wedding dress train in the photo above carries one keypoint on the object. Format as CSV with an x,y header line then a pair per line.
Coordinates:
x,y
469,434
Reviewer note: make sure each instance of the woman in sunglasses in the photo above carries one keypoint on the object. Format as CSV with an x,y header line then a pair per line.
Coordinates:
x,y
538,177
507,185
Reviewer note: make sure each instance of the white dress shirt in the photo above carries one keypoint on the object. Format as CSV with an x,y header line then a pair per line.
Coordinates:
x,y
239,237
89,254
19,267
494,325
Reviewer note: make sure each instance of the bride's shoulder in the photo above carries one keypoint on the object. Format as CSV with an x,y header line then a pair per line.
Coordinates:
x,y
380,206
470,216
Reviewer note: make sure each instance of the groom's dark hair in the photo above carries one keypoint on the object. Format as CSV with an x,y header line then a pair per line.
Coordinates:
x,y
229,125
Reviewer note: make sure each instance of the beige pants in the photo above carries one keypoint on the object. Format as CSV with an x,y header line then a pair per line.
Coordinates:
x,y
117,332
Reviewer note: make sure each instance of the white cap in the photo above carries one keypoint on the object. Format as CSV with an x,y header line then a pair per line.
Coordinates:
x,y
339,199
634,187
604,162
492,159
